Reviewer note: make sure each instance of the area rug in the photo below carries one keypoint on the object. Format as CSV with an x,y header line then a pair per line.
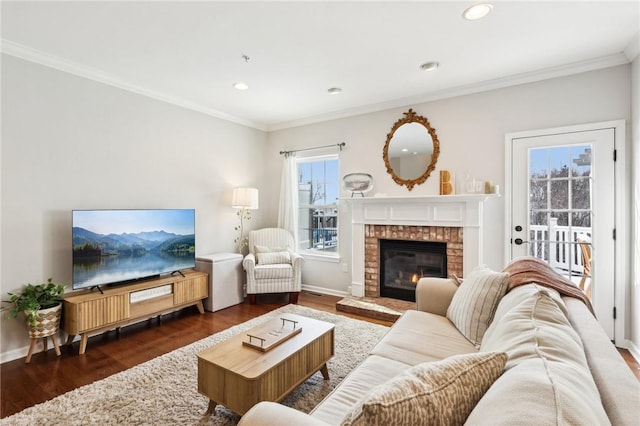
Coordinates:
x,y
164,391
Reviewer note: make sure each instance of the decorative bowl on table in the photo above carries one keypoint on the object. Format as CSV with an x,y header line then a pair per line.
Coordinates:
x,y
357,183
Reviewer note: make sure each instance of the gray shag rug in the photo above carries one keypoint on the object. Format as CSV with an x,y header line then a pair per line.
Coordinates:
x,y
164,390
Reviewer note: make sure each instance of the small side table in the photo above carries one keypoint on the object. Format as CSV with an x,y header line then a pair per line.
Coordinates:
x,y
226,279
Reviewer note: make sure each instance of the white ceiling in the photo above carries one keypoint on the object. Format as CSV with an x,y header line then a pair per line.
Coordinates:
x,y
190,53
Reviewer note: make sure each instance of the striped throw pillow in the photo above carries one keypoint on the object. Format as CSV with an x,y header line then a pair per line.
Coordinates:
x,y
475,302
432,393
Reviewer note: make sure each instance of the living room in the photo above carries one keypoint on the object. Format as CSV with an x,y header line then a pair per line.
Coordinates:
x,y
71,140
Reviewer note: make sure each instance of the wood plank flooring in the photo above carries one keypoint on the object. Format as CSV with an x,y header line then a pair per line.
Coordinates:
x,y
47,376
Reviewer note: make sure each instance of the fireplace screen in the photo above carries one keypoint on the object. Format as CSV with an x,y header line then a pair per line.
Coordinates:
x,y
403,263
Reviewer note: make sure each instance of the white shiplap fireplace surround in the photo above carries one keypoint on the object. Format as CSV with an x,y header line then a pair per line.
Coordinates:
x,y
455,211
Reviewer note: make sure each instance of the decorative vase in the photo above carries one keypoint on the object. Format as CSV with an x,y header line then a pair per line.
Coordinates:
x,y
47,322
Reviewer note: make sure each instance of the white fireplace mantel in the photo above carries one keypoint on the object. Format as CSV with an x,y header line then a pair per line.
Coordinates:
x,y
440,210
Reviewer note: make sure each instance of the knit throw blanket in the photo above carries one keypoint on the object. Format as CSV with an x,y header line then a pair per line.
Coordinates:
x,y
530,270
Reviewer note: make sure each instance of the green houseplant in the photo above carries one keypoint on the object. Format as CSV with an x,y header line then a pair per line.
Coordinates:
x,y
34,298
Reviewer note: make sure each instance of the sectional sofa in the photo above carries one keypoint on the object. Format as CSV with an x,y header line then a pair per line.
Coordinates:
x,y
478,353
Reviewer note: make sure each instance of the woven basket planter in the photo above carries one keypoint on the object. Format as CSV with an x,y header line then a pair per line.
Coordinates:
x,y
47,322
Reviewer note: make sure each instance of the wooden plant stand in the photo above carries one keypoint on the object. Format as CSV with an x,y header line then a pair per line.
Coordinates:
x,y
47,325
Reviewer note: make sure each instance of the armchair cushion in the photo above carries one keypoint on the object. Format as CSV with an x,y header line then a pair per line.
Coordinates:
x,y
268,272
275,257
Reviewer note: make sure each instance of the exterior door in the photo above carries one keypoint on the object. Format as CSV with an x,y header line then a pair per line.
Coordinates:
x,y
562,209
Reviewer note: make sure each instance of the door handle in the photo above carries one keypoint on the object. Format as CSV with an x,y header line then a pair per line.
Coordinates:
x,y
519,241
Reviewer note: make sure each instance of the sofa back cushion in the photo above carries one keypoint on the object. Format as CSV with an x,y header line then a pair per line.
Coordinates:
x,y
432,393
546,376
474,303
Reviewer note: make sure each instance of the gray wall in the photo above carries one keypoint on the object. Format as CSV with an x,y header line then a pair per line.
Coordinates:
x,y
71,143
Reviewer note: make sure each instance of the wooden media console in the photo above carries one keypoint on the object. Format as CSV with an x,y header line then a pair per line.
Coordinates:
x,y
92,312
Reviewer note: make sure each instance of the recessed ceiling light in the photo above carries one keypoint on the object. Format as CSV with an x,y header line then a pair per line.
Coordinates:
x,y
404,150
334,90
241,86
429,66
477,11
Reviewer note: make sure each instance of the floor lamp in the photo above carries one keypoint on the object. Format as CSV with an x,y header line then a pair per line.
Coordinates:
x,y
245,200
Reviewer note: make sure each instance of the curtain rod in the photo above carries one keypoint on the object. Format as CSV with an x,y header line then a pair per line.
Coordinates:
x,y
339,145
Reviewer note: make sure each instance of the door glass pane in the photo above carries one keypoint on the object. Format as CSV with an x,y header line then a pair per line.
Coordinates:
x,y
581,220
538,163
581,193
560,182
559,194
581,160
559,161
538,194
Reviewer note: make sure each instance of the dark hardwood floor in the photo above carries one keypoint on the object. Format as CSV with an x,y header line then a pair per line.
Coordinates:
x,y
47,376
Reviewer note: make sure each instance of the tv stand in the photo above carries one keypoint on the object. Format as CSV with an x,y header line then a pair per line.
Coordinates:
x,y
177,272
87,312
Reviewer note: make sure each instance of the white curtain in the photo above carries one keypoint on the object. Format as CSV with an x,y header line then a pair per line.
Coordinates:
x,y
288,209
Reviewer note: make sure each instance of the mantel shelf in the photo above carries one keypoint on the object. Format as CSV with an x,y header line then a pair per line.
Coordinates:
x,y
424,198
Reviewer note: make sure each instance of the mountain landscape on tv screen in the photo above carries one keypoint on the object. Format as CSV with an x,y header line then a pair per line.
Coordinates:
x,y
89,244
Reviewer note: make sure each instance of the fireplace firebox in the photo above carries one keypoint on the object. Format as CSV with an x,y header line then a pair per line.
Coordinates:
x,y
403,263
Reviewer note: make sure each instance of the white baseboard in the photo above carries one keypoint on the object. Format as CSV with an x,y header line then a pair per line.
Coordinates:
x,y
22,352
633,350
323,290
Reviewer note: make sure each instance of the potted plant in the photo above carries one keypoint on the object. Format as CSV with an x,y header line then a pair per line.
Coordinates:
x,y
42,308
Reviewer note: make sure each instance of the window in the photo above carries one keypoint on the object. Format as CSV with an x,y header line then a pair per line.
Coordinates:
x,y
318,191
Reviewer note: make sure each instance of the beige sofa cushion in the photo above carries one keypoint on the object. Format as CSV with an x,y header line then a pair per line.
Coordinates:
x,y
418,337
546,376
474,303
442,392
373,371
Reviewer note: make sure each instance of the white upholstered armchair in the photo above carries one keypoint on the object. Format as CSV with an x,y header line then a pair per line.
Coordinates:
x,y
272,265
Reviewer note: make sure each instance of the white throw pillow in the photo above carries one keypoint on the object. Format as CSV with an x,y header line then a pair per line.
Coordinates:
x,y
474,303
266,249
432,393
273,258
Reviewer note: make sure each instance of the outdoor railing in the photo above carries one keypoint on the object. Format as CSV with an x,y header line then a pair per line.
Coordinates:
x,y
557,245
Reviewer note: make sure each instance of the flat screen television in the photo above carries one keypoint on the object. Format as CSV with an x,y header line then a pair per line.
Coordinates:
x,y
119,246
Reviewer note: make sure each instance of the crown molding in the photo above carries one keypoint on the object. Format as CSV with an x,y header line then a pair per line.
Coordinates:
x,y
33,55
52,61
633,48
514,80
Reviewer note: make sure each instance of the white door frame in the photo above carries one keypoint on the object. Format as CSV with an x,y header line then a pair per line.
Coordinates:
x,y
621,273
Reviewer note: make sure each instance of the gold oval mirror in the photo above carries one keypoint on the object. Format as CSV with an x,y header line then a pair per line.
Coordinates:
x,y
411,150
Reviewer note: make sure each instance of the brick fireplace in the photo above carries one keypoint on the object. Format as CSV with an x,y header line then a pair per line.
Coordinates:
x,y
453,237
454,219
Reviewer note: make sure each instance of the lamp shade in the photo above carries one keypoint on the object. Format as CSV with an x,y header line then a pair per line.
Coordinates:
x,y
245,198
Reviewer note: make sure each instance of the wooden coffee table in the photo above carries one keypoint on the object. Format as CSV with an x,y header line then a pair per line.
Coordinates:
x,y
238,376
